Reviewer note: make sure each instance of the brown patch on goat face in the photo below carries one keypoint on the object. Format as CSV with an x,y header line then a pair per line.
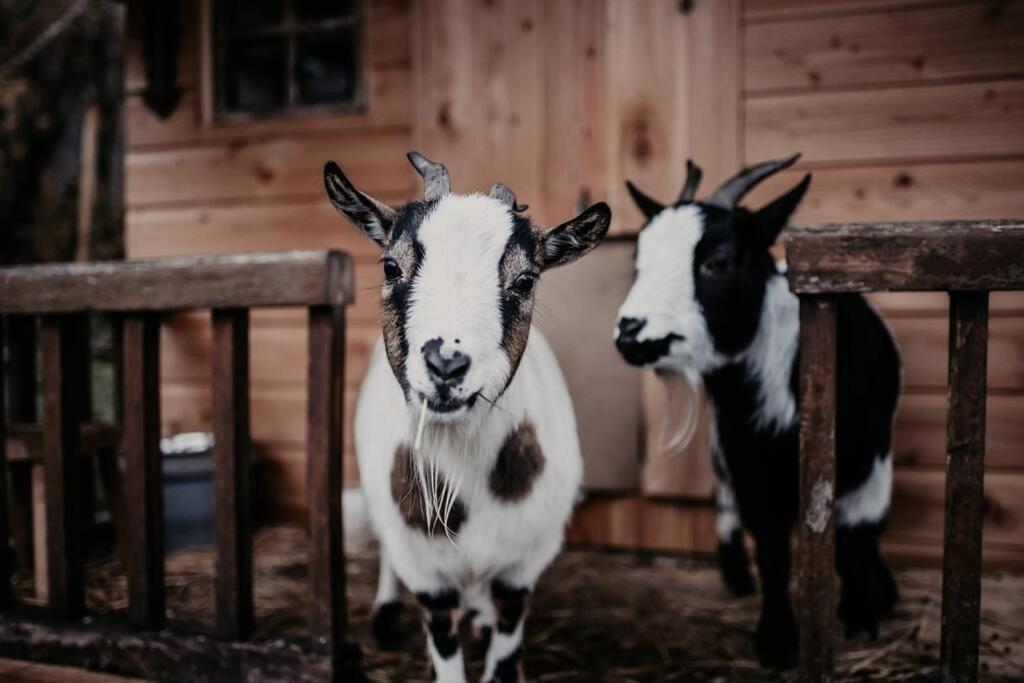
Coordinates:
x,y
517,310
520,461
408,496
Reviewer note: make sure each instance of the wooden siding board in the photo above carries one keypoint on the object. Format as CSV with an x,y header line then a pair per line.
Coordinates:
x,y
771,10
926,123
915,45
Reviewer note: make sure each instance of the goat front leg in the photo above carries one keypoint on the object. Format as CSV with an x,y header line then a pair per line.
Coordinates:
x,y
504,653
777,640
387,606
733,562
440,622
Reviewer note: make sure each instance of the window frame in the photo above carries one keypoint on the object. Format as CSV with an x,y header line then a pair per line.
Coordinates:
x,y
216,38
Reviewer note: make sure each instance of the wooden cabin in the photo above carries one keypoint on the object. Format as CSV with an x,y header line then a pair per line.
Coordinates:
x,y
903,111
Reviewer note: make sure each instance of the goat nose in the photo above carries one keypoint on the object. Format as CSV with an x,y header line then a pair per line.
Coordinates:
x,y
448,370
629,328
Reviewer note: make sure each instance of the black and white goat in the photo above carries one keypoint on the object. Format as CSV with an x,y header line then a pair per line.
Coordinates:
x,y
709,300
465,433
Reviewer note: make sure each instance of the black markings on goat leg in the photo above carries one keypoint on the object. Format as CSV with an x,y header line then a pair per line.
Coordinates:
x,y
511,605
507,670
437,609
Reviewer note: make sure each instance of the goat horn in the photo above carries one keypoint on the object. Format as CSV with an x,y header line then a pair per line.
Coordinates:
x,y
734,189
693,177
436,182
504,194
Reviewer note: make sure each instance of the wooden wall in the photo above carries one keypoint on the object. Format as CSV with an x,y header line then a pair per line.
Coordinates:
x,y
194,185
903,110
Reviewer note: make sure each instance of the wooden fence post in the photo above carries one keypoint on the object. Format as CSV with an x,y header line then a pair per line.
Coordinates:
x,y
231,472
965,491
816,610
326,552
5,557
62,463
143,480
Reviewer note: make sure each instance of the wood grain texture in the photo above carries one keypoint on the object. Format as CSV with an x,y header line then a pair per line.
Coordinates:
x,y
926,123
231,473
265,279
966,190
950,255
895,46
815,560
327,621
764,11
143,473
965,473
62,465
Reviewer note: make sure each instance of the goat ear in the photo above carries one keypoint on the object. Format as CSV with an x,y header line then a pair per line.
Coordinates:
x,y
648,206
572,239
772,218
372,218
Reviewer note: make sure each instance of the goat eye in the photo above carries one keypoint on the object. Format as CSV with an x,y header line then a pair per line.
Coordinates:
x,y
391,269
716,265
524,284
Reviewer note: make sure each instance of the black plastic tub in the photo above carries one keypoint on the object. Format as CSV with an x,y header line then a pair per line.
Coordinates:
x,y
188,490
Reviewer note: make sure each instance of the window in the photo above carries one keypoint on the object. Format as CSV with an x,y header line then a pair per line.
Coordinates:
x,y
279,55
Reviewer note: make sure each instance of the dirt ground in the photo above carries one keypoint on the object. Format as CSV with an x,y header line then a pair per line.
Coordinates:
x,y
603,616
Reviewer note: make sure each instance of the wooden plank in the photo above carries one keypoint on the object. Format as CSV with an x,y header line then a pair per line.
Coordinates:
x,y
262,168
968,190
65,530
5,522
143,476
22,349
816,610
256,279
942,255
926,123
965,472
327,619
388,110
770,10
104,644
232,511
304,224
898,46
919,431
925,345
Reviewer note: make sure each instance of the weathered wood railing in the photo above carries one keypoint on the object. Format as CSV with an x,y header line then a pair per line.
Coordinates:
x,y
966,259
138,293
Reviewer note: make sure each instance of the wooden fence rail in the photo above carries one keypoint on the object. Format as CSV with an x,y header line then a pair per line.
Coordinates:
x,y
138,292
967,259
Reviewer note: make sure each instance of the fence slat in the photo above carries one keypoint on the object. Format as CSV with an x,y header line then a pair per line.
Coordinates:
x,y
816,609
965,472
5,557
326,553
21,348
62,463
231,472
143,480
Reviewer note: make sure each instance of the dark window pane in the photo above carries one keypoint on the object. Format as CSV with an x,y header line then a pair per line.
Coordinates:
x,y
252,14
317,10
254,75
326,67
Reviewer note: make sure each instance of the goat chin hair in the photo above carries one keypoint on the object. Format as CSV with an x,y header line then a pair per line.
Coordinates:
x,y
439,491
682,409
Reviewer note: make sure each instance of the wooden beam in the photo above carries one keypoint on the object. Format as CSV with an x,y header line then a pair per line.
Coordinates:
x,y
324,429
296,278
22,338
5,557
232,524
64,525
936,256
143,476
816,608
965,494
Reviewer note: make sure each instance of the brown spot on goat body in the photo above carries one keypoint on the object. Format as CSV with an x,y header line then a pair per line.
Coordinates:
x,y
520,461
408,496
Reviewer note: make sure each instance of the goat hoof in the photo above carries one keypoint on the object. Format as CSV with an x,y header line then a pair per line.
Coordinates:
x,y
866,600
385,625
777,640
734,566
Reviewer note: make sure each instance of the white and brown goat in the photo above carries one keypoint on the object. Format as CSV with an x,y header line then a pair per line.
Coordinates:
x,y
465,433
